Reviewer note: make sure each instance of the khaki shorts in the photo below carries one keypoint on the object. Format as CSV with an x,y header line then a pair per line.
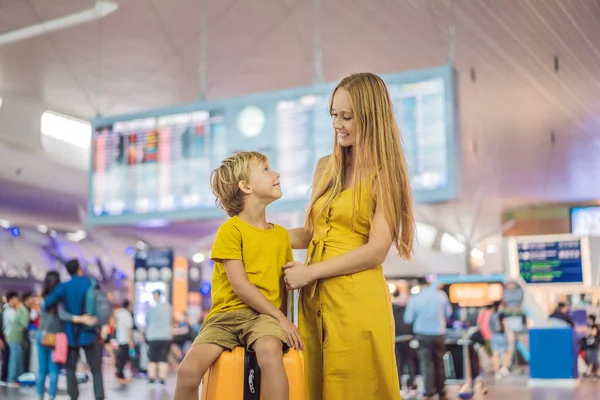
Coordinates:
x,y
240,327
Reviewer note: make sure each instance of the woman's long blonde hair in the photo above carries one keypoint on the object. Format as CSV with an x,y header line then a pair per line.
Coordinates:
x,y
379,158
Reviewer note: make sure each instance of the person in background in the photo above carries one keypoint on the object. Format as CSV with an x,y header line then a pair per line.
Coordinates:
x,y
503,341
182,335
159,333
590,345
405,355
583,346
72,295
591,320
50,323
16,338
483,323
562,313
3,344
428,312
107,334
124,336
8,316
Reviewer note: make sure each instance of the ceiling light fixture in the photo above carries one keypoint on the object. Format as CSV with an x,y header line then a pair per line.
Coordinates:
x,y
77,236
100,10
198,258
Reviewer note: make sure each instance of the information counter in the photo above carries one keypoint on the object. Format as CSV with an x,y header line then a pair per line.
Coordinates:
x,y
553,356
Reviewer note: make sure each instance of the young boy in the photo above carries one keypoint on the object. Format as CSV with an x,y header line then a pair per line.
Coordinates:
x,y
247,288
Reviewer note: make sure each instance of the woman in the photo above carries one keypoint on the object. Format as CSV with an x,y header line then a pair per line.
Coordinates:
x,y
361,205
483,323
50,323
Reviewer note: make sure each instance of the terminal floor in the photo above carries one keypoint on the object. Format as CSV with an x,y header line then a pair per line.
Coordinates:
x,y
508,389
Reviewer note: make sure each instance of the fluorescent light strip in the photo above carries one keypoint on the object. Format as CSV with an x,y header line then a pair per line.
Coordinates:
x,y
100,10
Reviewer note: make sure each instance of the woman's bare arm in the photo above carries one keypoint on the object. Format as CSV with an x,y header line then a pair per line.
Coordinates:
x,y
299,237
362,258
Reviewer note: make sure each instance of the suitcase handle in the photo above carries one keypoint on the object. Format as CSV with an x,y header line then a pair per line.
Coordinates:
x,y
292,305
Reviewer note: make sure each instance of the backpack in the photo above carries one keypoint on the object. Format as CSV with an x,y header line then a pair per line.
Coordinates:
x,y
96,304
495,323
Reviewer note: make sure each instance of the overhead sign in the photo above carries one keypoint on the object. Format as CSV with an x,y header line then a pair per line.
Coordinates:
x,y
551,261
157,164
154,264
585,221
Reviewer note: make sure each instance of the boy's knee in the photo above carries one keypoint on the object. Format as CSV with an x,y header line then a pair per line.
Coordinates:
x,y
269,350
188,374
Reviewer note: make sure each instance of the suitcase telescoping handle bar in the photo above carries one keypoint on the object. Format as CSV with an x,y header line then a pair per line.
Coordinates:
x,y
292,305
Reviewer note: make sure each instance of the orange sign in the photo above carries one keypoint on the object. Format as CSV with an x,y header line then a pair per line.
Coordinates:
x,y
475,294
179,297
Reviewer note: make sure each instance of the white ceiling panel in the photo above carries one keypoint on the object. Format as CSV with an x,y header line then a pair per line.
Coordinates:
x,y
146,55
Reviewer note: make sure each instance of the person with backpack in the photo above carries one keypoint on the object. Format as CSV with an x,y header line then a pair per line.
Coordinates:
x,y
82,298
503,344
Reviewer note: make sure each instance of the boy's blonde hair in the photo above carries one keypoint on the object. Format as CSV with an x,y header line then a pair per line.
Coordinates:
x,y
225,180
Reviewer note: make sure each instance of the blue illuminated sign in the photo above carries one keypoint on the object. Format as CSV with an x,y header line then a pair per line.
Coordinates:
x,y
551,262
205,288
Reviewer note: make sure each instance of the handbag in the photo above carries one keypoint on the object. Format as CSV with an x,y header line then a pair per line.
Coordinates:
x,y
48,339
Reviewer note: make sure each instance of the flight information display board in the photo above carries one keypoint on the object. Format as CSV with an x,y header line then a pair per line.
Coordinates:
x,y
157,165
551,262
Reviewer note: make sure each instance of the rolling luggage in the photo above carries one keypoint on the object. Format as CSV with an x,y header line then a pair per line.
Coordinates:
x,y
236,374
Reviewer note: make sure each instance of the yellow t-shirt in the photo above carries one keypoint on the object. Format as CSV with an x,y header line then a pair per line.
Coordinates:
x,y
264,252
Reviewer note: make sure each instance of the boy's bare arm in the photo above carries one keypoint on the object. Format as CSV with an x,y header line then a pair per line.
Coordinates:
x,y
236,273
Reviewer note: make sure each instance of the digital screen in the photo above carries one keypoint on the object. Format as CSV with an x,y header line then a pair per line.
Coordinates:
x,y
305,134
155,264
585,221
421,115
144,299
551,262
157,166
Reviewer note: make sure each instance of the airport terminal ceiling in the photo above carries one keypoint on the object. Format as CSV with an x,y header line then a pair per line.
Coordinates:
x,y
529,74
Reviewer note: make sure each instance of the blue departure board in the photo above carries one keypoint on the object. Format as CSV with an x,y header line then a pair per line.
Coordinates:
x,y
157,164
551,262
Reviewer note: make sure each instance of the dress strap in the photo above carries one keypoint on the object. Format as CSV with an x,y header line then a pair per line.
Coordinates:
x,y
313,256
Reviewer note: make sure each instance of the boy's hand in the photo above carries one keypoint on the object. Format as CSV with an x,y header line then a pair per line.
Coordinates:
x,y
292,333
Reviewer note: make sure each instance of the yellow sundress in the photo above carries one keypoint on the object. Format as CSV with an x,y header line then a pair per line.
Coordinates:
x,y
346,322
